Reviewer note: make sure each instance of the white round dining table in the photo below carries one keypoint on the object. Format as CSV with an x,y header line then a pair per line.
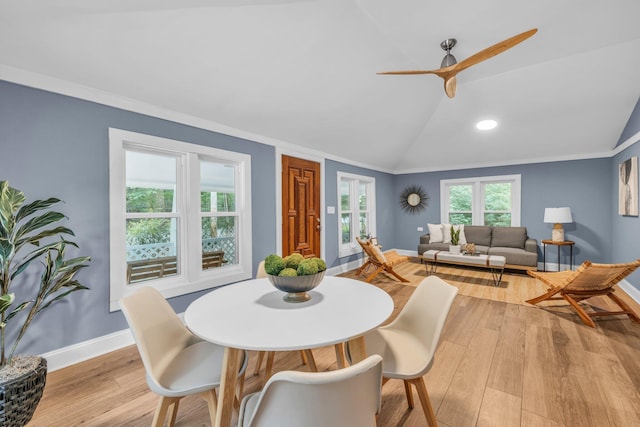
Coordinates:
x,y
252,315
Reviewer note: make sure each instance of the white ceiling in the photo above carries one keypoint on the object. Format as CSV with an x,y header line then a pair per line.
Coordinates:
x,y
304,72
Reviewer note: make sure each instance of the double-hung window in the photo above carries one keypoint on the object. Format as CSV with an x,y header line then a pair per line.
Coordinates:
x,y
356,196
491,200
180,215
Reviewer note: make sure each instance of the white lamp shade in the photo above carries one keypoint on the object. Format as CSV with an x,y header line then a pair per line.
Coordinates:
x,y
557,215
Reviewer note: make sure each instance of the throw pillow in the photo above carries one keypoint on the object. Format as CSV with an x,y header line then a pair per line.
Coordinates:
x,y
435,233
378,253
463,238
446,232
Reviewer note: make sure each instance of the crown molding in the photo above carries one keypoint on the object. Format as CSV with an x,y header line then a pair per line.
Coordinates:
x,y
75,90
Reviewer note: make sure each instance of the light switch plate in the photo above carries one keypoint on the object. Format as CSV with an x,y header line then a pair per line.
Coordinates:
x,y
331,209
420,228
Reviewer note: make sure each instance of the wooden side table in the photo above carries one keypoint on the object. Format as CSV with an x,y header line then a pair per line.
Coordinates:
x,y
559,245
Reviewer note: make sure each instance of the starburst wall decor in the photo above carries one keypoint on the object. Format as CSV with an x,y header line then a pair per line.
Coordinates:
x,y
413,199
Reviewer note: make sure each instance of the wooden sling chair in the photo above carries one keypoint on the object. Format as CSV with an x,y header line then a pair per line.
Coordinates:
x,y
380,261
587,281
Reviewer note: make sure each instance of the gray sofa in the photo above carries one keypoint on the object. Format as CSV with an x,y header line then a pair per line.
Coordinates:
x,y
512,243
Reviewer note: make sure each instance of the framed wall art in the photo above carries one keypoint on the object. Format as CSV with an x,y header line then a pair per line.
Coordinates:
x,y
628,187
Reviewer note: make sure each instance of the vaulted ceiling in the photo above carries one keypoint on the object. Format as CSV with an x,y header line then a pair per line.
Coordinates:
x,y
304,72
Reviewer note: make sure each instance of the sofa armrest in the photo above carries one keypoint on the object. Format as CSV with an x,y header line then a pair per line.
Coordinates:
x,y
424,239
531,245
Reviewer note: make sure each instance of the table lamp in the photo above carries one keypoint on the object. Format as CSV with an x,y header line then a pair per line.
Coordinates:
x,y
557,216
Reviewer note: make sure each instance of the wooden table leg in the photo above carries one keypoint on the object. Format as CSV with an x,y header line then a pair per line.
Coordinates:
x,y
228,381
357,350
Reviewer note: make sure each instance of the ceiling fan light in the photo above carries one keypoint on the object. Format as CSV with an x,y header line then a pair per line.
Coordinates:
x,y
486,124
448,61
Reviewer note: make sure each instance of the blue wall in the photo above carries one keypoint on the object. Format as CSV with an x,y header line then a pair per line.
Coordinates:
x,y
385,212
625,229
583,185
54,145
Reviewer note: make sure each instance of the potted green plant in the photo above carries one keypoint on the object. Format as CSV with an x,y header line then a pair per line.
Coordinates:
x,y
34,270
454,247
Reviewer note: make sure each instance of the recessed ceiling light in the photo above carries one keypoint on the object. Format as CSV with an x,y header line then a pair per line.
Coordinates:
x,y
486,124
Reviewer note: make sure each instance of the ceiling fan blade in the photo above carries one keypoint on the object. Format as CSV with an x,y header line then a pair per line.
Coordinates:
x,y
450,86
410,72
494,50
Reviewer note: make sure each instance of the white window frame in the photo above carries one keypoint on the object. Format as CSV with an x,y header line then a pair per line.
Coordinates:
x,y
478,184
351,248
191,277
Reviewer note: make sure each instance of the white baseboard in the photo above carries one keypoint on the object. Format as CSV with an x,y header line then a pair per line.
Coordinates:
x,y
343,268
407,252
76,353
631,290
553,266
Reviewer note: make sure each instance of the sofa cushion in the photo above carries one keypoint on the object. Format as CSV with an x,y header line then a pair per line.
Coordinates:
x,y
516,256
482,249
436,234
435,246
478,234
509,237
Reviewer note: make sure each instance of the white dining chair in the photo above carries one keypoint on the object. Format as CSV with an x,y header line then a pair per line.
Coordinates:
x,y
344,397
407,344
177,363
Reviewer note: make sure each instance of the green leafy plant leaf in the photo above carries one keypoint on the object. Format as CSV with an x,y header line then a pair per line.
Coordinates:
x,y
31,239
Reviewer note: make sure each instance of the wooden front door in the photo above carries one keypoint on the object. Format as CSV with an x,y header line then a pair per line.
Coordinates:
x,y
300,206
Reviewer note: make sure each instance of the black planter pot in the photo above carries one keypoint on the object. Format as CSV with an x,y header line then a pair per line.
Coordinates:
x,y
20,397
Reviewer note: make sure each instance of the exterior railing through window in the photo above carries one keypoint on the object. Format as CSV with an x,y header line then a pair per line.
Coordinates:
x,y
153,261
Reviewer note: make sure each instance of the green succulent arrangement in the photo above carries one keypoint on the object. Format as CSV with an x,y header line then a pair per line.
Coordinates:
x,y
455,235
293,265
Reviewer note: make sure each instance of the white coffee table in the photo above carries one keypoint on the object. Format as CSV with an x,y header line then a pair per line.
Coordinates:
x,y
495,263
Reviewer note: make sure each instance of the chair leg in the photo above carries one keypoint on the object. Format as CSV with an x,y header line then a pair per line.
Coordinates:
x,y
161,411
173,414
407,391
311,360
268,369
397,276
256,370
623,305
241,384
543,297
363,267
583,314
303,357
212,402
424,401
374,274
340,357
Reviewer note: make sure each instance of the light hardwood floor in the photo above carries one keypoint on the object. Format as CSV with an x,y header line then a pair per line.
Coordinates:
x,y
498,364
